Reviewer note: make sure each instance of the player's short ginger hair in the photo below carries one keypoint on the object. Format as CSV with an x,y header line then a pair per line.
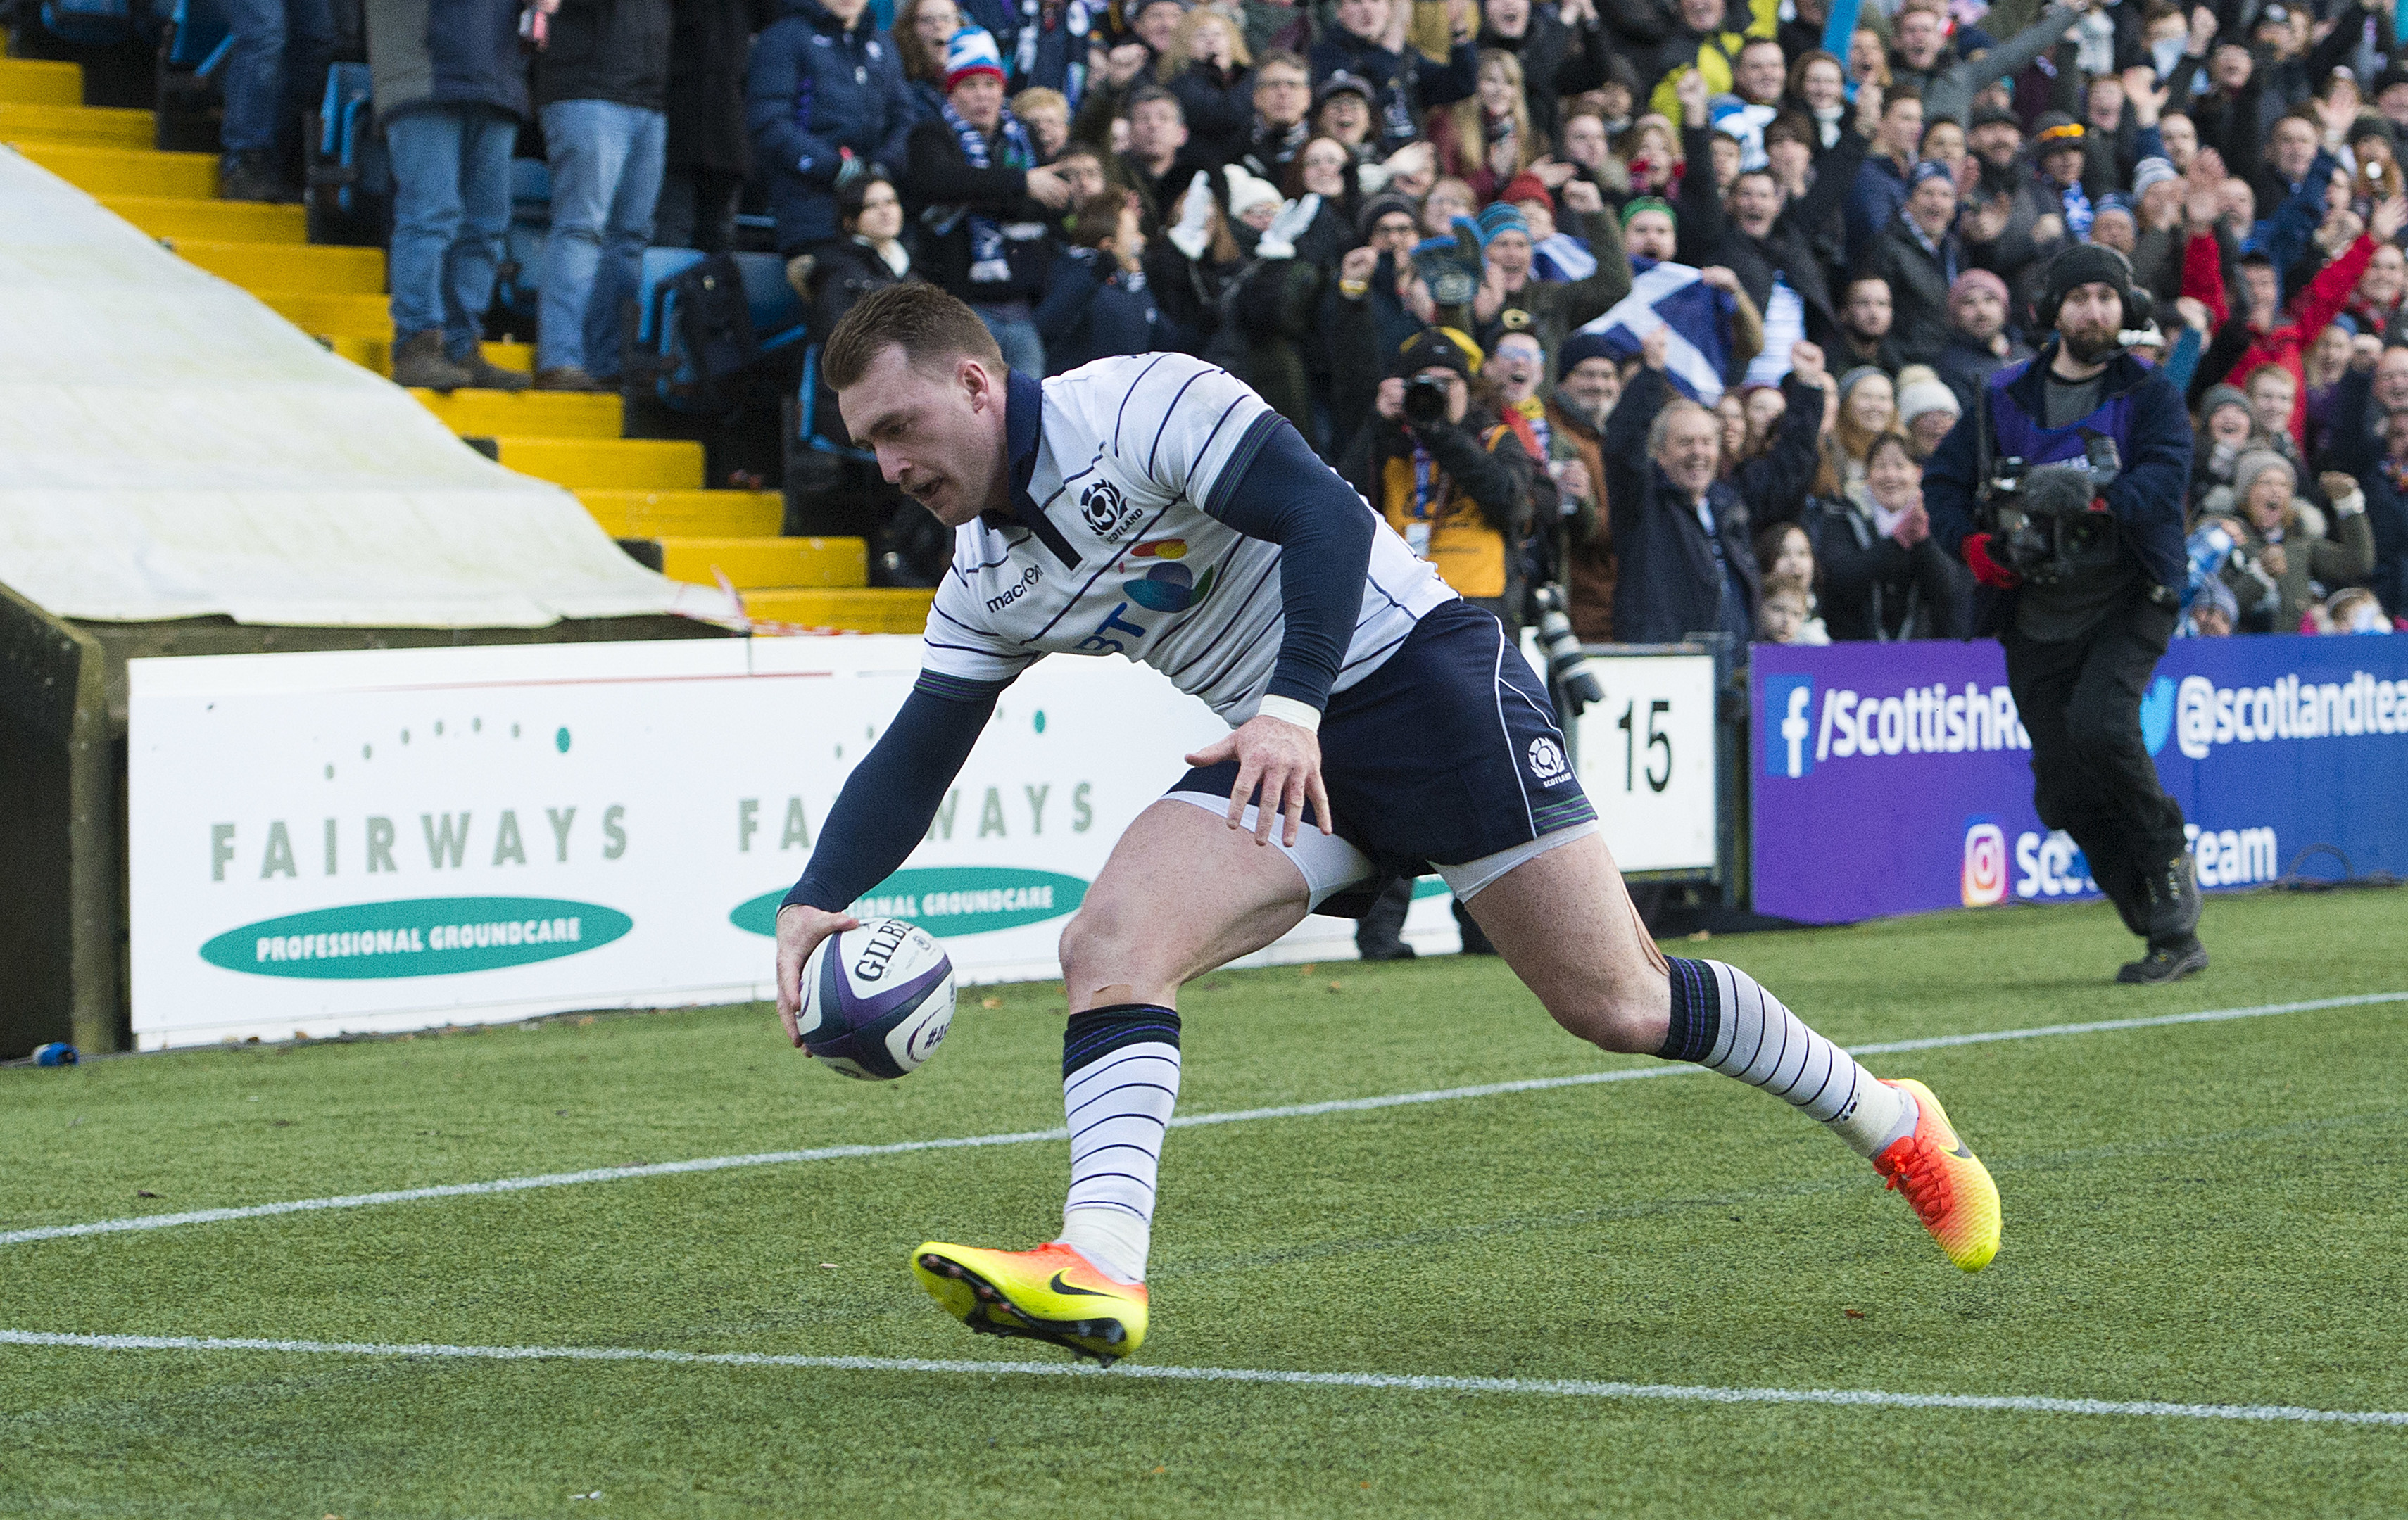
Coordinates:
x,y
931,327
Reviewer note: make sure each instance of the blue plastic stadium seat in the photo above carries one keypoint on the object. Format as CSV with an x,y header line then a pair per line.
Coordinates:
x,y
769,300
92,22
197,39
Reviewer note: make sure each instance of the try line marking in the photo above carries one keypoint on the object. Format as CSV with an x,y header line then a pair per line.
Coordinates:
x,y
1549,1387
1028,1137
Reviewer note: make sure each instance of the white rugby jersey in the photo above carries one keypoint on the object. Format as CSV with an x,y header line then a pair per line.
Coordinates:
x,y
1122,558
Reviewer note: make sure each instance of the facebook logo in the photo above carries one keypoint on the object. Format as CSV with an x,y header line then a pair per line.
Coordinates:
x,y
1788,724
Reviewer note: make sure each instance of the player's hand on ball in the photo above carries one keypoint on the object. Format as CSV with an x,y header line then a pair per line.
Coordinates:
x,y
1285,759
800,929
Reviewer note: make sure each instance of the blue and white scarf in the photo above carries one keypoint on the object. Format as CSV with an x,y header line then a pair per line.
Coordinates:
x,y
988,265
2078,214
1053,46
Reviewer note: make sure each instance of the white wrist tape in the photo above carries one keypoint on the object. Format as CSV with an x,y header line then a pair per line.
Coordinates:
x,y
1288,709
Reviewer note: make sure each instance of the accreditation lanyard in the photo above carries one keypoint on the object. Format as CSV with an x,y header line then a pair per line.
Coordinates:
x,y
1417,530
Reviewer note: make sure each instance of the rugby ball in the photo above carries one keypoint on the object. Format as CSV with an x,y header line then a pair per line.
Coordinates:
x,y
877,1001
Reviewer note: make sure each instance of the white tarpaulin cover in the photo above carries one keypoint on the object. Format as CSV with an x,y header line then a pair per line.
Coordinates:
x,y
171,448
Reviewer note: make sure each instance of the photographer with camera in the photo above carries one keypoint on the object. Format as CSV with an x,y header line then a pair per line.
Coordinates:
x,y
1458,484
2062,489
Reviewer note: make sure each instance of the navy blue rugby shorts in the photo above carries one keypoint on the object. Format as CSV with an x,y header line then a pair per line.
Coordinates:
x,y
1446,754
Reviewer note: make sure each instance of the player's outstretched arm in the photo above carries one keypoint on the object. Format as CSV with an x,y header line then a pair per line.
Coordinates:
x,y
882,811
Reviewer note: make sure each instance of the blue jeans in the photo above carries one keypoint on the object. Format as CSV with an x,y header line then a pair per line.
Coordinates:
x,y
606,173
451,205
276,64
1015,333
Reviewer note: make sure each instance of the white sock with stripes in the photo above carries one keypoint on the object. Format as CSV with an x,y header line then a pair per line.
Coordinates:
x,y
1724,1021
1120,1080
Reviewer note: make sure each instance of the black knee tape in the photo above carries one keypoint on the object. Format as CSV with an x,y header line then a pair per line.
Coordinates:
x,y
1090,1036
1697,1011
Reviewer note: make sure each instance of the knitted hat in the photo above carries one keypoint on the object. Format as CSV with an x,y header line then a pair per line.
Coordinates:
x,y
1437,348
2255,463
2220,397
1931,168
1246,191
2152,171
1647,203
1527,186
2372,125
1921,395
972,50
1856,377
1976,279
1501,216
1380,205
2114,200
2213,592
1580,347
2086,263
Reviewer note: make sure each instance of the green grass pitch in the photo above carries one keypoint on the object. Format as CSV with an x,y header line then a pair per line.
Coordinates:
x,y
2199,1213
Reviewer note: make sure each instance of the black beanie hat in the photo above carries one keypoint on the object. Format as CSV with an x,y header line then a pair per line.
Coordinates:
x,y
2085,263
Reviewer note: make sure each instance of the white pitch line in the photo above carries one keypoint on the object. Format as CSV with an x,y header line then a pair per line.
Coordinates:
x,y
1028,1137
1550,1387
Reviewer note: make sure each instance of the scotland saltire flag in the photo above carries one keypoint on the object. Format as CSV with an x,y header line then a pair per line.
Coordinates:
x,y
1672,296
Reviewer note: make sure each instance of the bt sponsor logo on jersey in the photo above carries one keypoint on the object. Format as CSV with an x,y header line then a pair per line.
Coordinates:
x,y
1106,510
1167,585
2205,714
1922,720
1984,877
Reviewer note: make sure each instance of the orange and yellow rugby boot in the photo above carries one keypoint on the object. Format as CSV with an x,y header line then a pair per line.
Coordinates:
x,y
1950,1189
1051,1294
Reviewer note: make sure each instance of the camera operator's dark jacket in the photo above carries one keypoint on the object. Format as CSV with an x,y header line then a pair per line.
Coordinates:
x,y
1671,582
1484,492
2140,410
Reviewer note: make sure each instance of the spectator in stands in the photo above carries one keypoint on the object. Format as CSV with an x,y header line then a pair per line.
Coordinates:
x,y
451,91
1883,576
1487,139
2283,535
867,258
2387,511
1508,300
1868,408
989,200
601,91
828,106
1978,341
1047,116
1865,317
277,52
2227,429
1283,93
922,29
1096,303
708,157
1208,69
1927,409
1369,43
1881,182
1786,555
1562,51
1918,258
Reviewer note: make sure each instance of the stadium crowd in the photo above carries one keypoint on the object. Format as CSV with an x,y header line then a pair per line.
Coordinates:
x,y
1473,248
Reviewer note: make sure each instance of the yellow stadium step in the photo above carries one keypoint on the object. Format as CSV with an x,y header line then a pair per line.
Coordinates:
x,y
125,171
376,351
550,414
81,126
784,564
225,222
33,81
863,609
287,270
665,514
624,463
334,316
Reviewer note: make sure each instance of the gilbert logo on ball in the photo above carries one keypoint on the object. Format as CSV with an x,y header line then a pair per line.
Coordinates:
x,y
877,1001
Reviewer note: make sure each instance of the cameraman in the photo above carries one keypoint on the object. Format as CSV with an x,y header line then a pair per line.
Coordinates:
x,y
1461,488
1455,482
2085,598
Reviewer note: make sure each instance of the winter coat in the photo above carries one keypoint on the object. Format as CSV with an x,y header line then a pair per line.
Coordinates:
x,y
1589,567
816,90
940,174
1272,311
1671,578
1219,106
616,50
2287,344
1966,366
2344,559
1556,62
1918,287
2387,514
709,41
1093,310
846,270
1407,83
445,53
1875,589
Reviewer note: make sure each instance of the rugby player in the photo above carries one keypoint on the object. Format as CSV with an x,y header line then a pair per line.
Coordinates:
x,y
1380,727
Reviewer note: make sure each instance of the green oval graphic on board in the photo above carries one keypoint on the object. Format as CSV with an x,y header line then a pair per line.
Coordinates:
x,y
945,899
421,936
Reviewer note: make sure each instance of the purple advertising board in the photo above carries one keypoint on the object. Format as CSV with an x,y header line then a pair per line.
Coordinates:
x,y
1896,778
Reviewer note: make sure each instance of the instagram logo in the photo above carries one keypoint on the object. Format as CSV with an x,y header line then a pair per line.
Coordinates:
x,y
1986,865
